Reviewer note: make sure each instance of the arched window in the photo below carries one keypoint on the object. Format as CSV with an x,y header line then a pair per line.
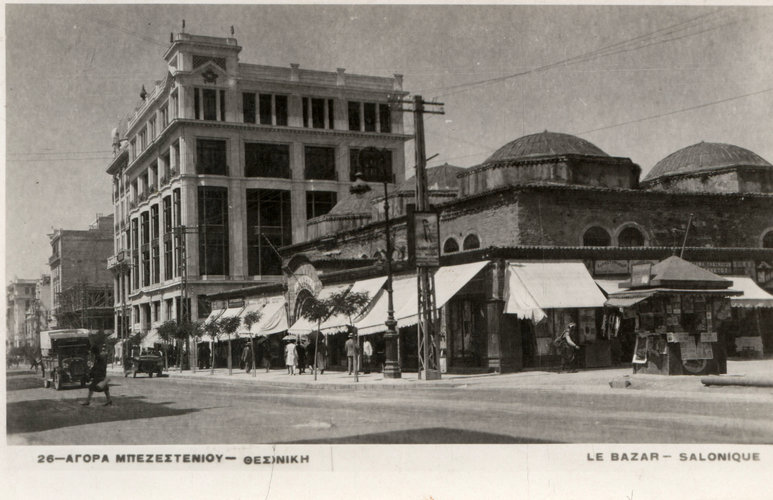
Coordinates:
x,y
767,240
471,242
596,237
630,237
450,246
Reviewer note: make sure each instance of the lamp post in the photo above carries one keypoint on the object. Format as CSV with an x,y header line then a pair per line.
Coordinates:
x,y
373,160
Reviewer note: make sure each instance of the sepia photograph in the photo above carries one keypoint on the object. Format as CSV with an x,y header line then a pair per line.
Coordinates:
x,y
423,251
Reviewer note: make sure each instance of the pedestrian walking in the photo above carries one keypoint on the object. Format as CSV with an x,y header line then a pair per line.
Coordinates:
x,y
567,348
322,354
247,357
98,380
267,355
367,355
301,350
291,357
351,353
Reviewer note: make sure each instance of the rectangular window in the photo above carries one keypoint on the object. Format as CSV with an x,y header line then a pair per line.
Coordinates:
x,y
265,109
248,107
305,106
157,311
318,113
280,107
135,234
385,118
209,96
369,109
331,115
354,116
269,222
177,207
167,214
211,157
152,129
196,104
204,306
319,203
320,163
145,227
376,173
168,264
154,222
222,105
213,230
145,265
177,222
156,263
266,160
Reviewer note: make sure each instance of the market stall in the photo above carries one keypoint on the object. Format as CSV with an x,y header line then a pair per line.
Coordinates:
x,y
676,307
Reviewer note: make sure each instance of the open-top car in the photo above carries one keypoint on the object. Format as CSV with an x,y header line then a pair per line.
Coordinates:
x,y
148,362
65,355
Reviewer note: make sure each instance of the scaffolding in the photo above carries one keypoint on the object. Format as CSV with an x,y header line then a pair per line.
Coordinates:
x,y
86,305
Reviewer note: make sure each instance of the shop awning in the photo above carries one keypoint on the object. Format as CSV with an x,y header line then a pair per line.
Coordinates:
x,y
231,312
611,286
215,314
338,322
448,281
304,326
753,295
273,317
625,301
532,287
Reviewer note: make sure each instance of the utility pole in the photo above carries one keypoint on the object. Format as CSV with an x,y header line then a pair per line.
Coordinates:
x,y
428,331
181,232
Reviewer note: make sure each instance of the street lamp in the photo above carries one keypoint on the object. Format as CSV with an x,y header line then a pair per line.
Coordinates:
x,y
372,160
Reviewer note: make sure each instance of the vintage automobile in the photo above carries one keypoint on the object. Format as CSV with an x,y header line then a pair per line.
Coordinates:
x,y
65,355
148,362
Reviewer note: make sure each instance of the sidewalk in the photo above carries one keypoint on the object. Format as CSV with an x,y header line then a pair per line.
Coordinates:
x,y
585,381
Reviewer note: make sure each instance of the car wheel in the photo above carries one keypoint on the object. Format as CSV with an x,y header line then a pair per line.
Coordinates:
x,y
46,383
57,382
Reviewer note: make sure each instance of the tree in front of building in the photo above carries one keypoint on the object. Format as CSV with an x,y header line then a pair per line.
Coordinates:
x,y
316,311
167,332
228,327
249,319
350,305
212,330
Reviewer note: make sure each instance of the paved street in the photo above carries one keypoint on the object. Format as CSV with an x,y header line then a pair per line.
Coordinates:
x,y
527,407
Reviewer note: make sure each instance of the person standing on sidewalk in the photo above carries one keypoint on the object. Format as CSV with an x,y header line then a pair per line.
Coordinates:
x,y
351,353
98,377
267,355
247,357
568,348
367,355
291,356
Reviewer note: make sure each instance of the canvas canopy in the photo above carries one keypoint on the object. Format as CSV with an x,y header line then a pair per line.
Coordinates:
x,y
273,316
532,287
448,281
753,295
304,326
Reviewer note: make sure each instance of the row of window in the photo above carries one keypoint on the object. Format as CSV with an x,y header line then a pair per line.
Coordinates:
x,y
597,236
470,242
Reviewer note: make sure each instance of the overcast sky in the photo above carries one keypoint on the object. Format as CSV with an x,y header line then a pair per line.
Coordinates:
x,y
639,82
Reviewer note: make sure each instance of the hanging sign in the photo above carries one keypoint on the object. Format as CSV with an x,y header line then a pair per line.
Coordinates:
x,y
424,239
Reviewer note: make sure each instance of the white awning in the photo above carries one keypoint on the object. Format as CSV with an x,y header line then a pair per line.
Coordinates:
x,y
215,314
532,287
338,322
611,286
231,312
273,317
448,281
753,295
304,326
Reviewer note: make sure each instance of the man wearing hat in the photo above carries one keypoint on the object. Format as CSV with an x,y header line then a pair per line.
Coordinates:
x,y
351,353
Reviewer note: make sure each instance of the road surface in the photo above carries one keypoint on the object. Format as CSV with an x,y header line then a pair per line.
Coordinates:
x,y
172,410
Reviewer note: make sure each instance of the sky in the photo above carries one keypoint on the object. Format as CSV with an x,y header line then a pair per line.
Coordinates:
x,y
638,82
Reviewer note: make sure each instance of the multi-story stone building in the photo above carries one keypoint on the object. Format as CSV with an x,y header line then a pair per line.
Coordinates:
x,y
20,298
81,285
223,162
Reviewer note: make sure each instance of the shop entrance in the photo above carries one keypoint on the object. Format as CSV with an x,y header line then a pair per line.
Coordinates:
x,y
466,330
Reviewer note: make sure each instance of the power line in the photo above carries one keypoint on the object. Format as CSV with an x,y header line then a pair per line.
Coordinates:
x,y
652,117
601,52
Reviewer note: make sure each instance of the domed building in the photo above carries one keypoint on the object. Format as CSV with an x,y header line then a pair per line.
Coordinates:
x,y
711,167
529,237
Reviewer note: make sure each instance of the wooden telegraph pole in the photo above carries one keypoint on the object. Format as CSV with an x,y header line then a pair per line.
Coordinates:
x,y
426,251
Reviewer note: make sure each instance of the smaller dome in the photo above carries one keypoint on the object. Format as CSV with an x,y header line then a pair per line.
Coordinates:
x,y
545,144
705,156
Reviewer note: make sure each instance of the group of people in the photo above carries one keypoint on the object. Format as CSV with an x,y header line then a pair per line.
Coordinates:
x,y
302,356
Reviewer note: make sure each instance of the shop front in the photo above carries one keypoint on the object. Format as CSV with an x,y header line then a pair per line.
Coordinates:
x,y
545,297
676,308
749,332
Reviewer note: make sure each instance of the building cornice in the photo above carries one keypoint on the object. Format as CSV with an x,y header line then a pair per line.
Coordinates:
x,y
663,179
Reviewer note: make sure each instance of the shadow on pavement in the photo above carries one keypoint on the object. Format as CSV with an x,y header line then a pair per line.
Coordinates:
x,y
22,383
45,414
430,435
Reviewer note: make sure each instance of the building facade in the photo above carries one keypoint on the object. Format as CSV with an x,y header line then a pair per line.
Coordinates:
x,y
557,199
222,163
81,286
20,298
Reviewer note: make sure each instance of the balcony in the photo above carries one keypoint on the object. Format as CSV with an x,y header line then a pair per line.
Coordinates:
x,y
118,261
